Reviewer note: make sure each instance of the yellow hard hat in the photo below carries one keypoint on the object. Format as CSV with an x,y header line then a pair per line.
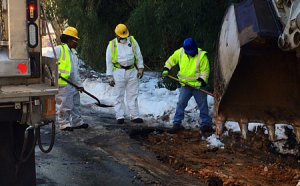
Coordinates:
x,y
122,31
71,31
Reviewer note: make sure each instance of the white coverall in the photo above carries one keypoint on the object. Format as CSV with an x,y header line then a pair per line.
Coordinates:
x,y
125,80
68,98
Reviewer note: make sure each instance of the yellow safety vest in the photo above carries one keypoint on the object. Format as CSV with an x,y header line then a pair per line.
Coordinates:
x,y
114,52
64,68
191,68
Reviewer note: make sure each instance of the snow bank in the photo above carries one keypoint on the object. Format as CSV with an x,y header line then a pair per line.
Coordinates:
x,y
99,89
154,103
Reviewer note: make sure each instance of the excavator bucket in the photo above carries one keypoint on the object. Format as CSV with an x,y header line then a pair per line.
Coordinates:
x,y
255,81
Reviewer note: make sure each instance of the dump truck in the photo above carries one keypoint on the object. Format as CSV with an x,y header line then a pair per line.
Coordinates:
x,y
28,84
257,66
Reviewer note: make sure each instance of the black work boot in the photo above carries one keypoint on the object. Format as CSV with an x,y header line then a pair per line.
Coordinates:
x,y
138,120
206,129
120,121
176,128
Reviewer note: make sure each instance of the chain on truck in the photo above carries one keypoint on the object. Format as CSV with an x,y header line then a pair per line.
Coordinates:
x,y
28,84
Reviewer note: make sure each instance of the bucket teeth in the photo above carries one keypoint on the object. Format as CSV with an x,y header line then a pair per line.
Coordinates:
x,y
297,133
271,131
220,123
243,124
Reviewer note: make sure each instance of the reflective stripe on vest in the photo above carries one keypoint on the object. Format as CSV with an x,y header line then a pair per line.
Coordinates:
x,y
197,75
114,52
64,68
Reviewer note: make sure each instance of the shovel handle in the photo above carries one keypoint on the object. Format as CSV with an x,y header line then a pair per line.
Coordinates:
x,y
99,104
82,91
190,85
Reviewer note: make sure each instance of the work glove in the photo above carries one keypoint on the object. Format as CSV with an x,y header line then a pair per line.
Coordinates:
x,y
165,73
80,89
200,83
197,85
140,73
111,81
203,84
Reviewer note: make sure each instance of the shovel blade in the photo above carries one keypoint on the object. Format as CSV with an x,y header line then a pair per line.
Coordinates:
x,y
103,105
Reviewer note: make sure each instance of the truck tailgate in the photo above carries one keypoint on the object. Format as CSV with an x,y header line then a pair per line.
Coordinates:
x,y
12,91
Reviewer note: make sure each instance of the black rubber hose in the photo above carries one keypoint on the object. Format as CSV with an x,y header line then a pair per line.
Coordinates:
x,y
32,147
52,139
18,166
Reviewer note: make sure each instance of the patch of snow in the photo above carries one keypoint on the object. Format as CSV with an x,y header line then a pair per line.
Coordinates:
x,y
99,89
280,131
253,126
233,126
214,141
279,145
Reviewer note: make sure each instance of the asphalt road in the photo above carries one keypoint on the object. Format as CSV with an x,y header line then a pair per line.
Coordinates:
x,y
72,163
102,155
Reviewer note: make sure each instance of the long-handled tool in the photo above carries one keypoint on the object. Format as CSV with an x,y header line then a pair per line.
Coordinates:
x,y
190,85
99,104
183,82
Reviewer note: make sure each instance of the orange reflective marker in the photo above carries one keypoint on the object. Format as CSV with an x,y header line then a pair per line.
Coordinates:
x,y
49,106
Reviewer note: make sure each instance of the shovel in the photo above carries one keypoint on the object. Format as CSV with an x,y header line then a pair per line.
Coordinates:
x,y
99,104
184,82
190,85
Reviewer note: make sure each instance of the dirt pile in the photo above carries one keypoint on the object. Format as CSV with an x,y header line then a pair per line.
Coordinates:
x,y
242,162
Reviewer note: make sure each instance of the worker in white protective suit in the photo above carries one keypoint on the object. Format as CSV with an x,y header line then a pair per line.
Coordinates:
x,y
124,63
68,98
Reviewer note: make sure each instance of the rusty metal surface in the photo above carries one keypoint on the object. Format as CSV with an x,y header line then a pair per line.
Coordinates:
x,y
227,56
263,86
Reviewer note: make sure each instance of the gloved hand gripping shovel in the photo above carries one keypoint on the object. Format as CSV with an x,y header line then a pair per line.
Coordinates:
x,y
183,82
191,85
78,88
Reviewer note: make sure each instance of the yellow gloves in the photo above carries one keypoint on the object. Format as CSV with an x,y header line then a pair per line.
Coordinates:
x,y
200,83
165,73
197,85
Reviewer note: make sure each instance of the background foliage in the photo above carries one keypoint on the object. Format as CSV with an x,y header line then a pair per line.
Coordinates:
x,y
160,27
